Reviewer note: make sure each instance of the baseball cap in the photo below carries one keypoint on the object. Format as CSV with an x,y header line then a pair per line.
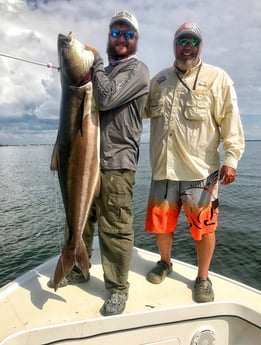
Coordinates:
x,y
188,28
127,17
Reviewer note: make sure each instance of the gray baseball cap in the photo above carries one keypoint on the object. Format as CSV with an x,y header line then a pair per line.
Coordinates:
x,y
188,28
127,17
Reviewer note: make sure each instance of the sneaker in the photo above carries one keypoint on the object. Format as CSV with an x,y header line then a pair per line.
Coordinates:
x,y
203,291
159,272
114,305
74,277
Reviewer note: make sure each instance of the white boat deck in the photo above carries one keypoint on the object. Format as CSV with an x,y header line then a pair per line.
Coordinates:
x,y
28,303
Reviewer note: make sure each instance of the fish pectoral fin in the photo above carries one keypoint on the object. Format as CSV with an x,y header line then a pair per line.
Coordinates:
x,y
88,100
54,159
98,187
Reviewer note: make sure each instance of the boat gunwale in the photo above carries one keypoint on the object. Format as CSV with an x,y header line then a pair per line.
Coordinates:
x,y
83,329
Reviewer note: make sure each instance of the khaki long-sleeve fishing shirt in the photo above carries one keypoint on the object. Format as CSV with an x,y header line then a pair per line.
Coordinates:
x,y
187,125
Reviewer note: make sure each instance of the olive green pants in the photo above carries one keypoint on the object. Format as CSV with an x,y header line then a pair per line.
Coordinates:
x,y
115,218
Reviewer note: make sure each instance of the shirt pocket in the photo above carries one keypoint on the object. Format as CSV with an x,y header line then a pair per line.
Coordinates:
x,y
197,105
157,105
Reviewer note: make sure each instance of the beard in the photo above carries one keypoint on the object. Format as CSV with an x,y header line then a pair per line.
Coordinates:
x,y
186,65
113,53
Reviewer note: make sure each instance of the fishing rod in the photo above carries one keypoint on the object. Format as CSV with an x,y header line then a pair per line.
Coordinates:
x,y
48,65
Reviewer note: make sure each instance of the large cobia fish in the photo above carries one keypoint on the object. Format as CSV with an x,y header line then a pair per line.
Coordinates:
x,y
76,152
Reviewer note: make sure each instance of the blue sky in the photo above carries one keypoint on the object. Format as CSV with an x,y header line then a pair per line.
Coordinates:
x,y
30,94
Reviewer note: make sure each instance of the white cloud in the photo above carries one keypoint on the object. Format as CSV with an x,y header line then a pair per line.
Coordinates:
x,y
29,29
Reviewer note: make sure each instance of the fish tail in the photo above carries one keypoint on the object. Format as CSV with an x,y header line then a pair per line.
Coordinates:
x,y
82,259
63,268
69,258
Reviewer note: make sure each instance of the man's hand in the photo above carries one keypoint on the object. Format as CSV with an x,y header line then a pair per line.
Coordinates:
x,y
93,49
227,175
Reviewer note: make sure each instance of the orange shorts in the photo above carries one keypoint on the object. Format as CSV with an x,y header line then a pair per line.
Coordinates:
x,y
199,200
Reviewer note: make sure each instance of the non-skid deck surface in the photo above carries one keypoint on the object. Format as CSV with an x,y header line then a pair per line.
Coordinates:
x,y
29,302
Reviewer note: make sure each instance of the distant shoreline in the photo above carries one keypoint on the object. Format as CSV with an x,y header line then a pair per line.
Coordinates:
x,y
6,145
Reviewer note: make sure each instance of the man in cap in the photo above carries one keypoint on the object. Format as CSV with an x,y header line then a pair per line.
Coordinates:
x,y
192,106
120,91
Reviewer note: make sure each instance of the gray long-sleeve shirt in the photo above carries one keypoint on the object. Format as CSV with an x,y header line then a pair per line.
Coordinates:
x,y
120,93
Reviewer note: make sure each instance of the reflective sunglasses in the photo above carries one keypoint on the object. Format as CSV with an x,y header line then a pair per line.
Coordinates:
x,y
194,42
116,33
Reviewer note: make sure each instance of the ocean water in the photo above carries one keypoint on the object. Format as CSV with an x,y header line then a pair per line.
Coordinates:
x,y
32,215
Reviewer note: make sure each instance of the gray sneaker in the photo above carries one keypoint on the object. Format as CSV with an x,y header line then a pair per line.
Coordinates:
x,y
159,272
74,277
114,305
203,291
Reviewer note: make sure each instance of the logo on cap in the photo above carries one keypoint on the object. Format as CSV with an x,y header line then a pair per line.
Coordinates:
x,y
127,17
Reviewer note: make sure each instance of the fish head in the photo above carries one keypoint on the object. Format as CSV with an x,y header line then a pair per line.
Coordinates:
x,y
74,60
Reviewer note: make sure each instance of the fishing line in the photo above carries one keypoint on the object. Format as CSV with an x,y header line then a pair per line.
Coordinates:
x,y
57,201
57,231
59,211
48,65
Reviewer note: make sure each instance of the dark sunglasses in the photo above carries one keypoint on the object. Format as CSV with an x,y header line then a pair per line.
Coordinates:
x,y
128,35
194,42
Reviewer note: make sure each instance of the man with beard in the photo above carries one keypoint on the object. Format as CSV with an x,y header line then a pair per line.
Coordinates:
x,y
120,92
192,106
